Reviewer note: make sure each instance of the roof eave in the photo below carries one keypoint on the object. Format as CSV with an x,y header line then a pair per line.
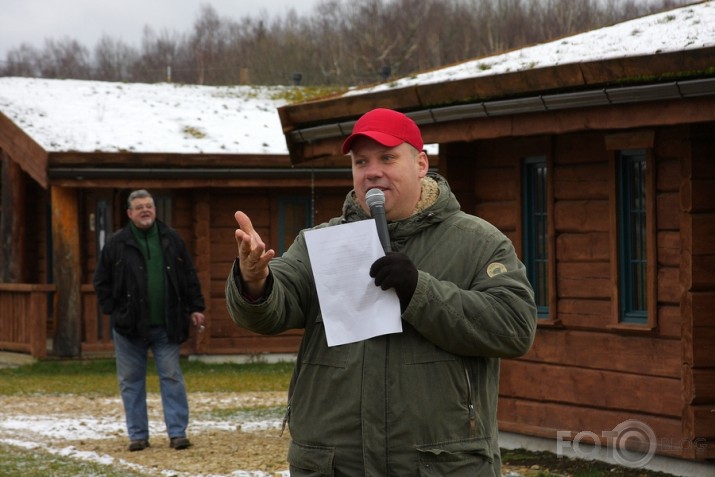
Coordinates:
x,y
23,150
329,120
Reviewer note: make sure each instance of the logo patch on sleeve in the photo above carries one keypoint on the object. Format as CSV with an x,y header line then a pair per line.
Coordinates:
x,y
495,269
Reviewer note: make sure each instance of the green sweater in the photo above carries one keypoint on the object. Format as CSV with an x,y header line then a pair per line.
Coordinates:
x,y
150,247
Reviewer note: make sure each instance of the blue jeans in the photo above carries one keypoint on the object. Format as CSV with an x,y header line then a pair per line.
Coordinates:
x,y
132,357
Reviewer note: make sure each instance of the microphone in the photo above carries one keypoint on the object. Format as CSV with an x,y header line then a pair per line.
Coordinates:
x,y
375,199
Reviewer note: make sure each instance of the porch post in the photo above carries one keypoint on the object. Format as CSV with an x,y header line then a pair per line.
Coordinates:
x,y
66,271
12,222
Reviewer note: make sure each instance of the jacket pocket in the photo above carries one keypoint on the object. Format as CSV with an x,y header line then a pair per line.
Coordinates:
x,y
317,350
310,461
470,457
124,318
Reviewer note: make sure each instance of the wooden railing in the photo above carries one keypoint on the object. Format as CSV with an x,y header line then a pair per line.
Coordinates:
x,y
24,317
27,325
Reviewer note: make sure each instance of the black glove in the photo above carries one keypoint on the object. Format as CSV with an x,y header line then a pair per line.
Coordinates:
x,y
396,270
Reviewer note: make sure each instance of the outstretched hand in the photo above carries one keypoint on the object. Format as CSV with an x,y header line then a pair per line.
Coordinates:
x,y
396,270
253,258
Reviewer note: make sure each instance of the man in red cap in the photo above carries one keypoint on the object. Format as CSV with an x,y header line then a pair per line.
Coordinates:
x,y
419,402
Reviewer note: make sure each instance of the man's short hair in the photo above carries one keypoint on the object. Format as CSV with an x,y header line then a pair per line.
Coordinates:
x,y
137,194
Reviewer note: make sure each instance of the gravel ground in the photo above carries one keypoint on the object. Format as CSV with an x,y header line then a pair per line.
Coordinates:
x,y
227,440
93,429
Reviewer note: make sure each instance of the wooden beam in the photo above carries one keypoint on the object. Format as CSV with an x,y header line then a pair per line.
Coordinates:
x,y
24,150
599,73
219,183
159,159
67,271
12,222
614,117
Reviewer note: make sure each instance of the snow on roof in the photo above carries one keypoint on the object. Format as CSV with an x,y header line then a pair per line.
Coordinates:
x,y
89,116
95,116
679,29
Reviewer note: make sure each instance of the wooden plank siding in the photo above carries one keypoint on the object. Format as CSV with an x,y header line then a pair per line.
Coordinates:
x,y
204,219
697,201
588,373
262,207
225,336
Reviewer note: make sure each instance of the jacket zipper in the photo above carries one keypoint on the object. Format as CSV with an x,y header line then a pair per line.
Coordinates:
x,y
470,403
286,418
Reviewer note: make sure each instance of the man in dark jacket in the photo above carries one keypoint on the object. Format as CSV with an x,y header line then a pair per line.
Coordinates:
x,y
146,282
422,401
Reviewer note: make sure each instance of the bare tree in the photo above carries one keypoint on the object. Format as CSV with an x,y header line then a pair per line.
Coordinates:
x,y
113,60
22,61
160,58
343,42
207,44
65,58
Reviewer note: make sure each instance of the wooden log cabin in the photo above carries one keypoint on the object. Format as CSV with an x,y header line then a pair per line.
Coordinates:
x,y
71,153
602,173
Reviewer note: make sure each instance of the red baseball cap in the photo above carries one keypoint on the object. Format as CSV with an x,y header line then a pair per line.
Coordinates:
x,y
386,126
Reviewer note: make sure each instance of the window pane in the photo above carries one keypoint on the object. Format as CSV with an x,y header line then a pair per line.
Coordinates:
x,y
536,231
632,236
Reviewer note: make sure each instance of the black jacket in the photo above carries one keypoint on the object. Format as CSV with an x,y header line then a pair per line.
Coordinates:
x,y
120,282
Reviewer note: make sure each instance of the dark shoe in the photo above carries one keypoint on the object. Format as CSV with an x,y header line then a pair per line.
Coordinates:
x,y
179,443
138,445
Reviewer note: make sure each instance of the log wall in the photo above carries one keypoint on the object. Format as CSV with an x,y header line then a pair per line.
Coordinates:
x,y
587,372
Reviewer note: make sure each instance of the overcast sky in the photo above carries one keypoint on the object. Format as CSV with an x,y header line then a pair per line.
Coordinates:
x,y
32,21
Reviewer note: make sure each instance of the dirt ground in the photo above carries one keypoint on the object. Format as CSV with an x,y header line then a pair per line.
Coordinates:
x,y
226,442
70,426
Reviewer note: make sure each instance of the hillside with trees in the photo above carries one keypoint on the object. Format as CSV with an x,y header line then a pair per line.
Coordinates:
x,y
341,42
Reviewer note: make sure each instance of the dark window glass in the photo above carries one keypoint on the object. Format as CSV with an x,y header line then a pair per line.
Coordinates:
x,y
536,232
632,236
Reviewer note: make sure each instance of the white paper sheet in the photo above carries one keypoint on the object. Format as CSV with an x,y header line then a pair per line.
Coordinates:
x,y
353,308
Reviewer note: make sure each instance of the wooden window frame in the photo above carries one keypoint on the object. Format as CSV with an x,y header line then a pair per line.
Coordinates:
x,y
530,232
552,320
616,143
283,201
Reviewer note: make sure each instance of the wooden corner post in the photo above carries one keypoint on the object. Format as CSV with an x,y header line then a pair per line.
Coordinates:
x,y
66,271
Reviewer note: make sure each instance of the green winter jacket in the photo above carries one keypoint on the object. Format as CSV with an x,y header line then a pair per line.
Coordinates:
x,y
418,403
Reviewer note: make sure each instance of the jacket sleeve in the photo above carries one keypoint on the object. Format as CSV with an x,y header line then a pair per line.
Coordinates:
x,y
288,300
493,316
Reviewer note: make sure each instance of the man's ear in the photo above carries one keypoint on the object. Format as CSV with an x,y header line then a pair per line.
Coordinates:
x,y
422,164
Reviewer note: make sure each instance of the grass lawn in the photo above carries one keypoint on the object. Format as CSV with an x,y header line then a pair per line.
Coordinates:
x,y
98,378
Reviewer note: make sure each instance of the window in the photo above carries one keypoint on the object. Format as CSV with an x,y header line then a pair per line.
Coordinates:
x,y
536,231
294,216
632,234
163,208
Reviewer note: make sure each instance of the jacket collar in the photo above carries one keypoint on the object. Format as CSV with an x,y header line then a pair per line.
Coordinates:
x,y
443,207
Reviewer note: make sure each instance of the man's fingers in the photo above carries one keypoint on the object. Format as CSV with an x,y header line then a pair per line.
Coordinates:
x,y
249,242
252,253
244,222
